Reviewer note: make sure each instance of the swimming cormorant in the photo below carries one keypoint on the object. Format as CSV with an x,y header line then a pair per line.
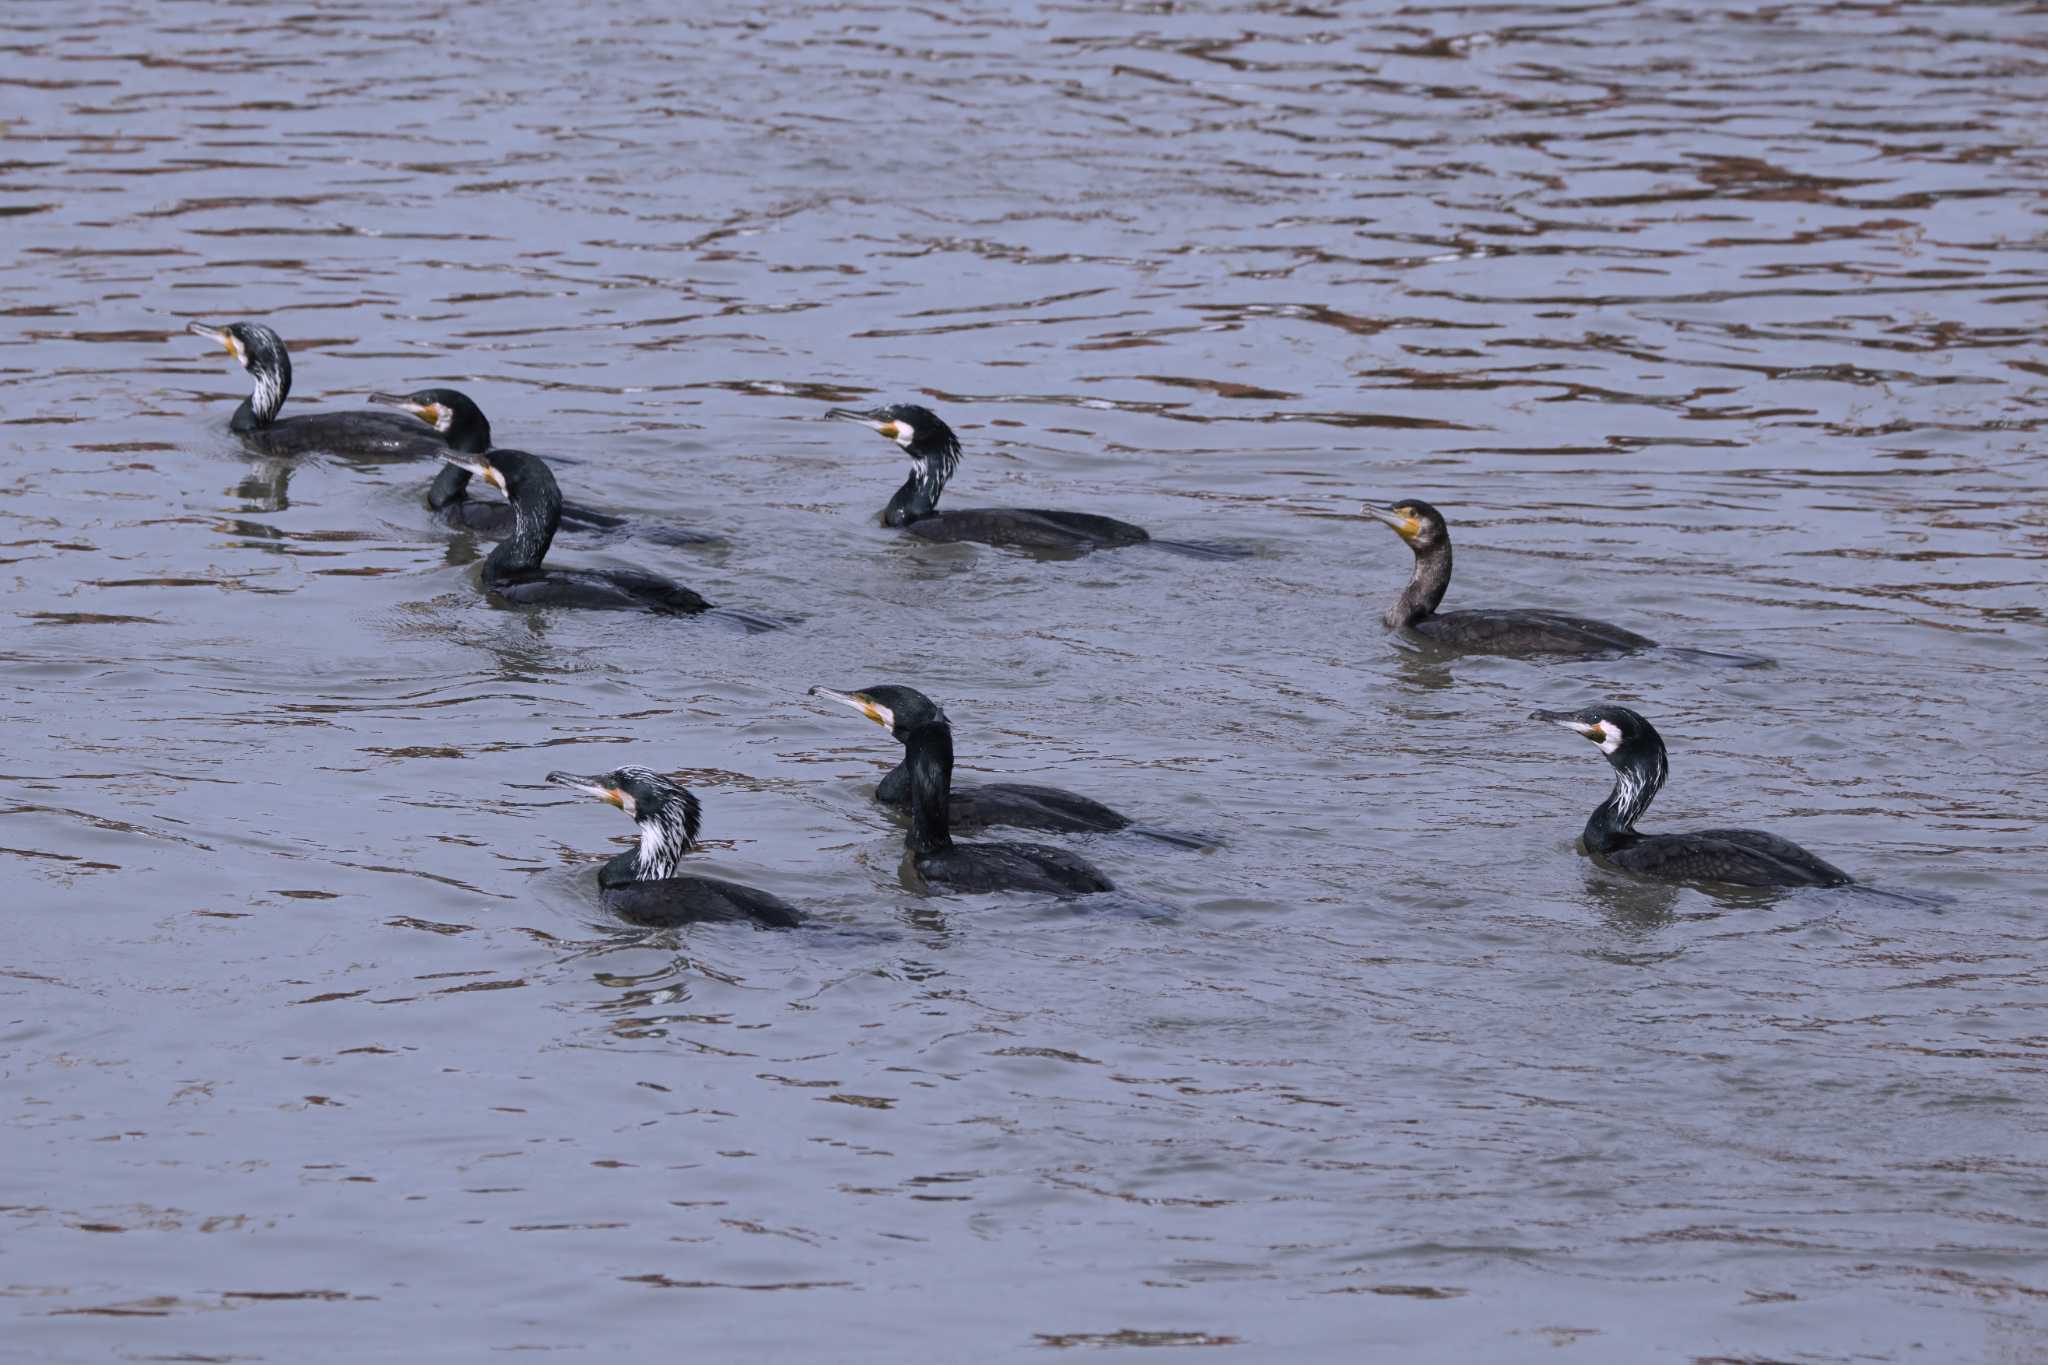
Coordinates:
x,y
514,571
902,709
1486,632
934,453
644,886
262,353
464,427
1743,857
946,866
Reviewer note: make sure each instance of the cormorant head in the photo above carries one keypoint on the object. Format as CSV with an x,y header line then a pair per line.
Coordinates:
x,y
261,352
929,442
448,411
1415,521
508,471
1631,744
899,710
668,815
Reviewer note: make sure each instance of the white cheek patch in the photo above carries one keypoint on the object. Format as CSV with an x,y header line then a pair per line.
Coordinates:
x,y
1610,736
882,716
628,805
905,434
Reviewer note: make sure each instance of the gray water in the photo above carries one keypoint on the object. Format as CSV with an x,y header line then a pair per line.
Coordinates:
x,y
1721,323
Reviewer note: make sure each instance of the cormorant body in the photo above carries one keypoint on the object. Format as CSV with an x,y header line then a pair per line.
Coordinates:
x,y
514,571
643,886
1740,857
1482,632
934,454
262,353
927,739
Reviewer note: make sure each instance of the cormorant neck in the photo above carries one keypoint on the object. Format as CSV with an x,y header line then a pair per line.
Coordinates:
x,y
1426,587
450,486
273,385
664,839
918,498
928,753
536,512
894,789
469,434
1638,773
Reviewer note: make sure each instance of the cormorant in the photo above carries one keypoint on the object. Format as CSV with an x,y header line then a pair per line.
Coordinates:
x,y
1742,857
902,709
513,570
464,427
934,453
946,866
262,353
644,886
1484,632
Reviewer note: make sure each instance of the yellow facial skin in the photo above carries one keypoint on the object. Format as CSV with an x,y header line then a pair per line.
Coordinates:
x,y
1404,522
873,710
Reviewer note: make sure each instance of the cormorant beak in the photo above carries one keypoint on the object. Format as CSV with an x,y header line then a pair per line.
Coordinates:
x,y
219,336
478,467
591,786
433,414
1569,720
1604,733
1405,526
874,711
874,421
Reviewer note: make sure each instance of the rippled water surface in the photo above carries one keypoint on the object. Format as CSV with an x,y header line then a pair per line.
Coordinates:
x,y
1722,323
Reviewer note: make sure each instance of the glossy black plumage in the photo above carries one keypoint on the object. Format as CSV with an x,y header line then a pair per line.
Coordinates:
x,y
262,353
645,886
1740,857
514,570
934,454
927,739
1486,631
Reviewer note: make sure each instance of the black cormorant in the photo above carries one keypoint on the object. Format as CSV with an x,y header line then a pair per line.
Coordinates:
x,y
261,352
944,865
1485,632
934,452
1742,857
513,570
462,424
645,885
902,709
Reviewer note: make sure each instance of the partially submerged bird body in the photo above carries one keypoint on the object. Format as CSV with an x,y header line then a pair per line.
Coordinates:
x,y
939,862
262,353
1496,631
1527,632
934,454
1739,857
644,886
1025,528
514,570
